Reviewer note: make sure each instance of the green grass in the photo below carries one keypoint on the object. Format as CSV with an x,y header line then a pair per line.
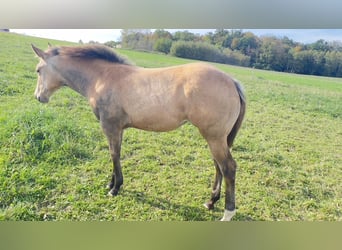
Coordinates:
x,y
55,164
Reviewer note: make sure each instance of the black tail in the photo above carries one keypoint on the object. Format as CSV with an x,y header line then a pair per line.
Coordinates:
x,y
237,125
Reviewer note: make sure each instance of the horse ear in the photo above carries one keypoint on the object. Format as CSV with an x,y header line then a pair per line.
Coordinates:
x,y
39,52
50,46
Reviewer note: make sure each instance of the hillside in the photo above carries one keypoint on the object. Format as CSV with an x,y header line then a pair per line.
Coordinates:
x,y
55,164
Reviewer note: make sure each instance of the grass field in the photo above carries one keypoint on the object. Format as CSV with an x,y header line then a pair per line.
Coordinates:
x,y
55,164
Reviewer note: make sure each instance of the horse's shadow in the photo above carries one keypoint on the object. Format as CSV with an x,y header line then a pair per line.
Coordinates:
x,y
183,211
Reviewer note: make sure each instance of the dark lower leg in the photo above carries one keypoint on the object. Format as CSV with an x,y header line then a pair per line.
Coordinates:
x,y
230,194
229,210
117,178
114,188
229,177
216,192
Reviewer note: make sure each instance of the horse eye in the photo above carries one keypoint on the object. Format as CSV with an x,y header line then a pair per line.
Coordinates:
x,y
38,71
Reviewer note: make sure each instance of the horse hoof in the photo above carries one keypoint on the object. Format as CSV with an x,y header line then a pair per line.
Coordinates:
x,y
228,215
209,206
110,186
113,192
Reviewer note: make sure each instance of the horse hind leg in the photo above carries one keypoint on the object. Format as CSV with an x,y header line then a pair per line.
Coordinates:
x,y
216,191
229,172
227,166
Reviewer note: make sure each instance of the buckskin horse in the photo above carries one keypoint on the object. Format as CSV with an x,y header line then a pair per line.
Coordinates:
x,y
157,99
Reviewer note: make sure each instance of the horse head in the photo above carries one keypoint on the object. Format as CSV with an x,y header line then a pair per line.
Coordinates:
x,y
49,80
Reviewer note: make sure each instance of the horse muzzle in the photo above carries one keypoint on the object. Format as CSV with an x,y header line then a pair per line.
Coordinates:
x,y
42,99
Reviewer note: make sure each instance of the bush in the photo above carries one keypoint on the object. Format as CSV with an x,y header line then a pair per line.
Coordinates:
x,y
163,45
236,58
208,52
197,51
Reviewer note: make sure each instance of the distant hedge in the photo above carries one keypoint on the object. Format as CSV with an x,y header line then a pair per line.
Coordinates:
x,y
162,45
197,51
207,52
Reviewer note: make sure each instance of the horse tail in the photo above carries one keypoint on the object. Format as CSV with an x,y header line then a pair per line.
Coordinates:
x,y
231,136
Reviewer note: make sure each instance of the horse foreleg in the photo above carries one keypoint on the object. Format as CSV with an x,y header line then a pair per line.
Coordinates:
x,y
216,192
117,178
114,139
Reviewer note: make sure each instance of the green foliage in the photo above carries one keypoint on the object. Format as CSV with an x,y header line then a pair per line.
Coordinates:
x,y
207,52
236,58
243,49
138,39
111,44
184,36
197,51
163,45
273,55
333,64
160,33
55,164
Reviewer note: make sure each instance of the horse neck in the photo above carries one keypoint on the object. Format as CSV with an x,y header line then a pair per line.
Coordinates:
x,y
78,75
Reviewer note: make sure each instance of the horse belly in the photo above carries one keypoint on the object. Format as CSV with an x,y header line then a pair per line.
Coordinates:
x,y
159,121
157,114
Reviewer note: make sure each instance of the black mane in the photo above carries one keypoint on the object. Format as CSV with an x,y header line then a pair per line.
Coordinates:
x,y
100,52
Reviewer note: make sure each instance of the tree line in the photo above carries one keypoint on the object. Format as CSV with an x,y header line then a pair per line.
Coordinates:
x,y
240,48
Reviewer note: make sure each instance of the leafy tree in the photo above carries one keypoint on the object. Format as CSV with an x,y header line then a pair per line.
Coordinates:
x,y
160,33
319,62
333,64
320,45
139,39
208,38
219,38
162,45
236,58
185,36
111,44
304,62
197,51
273,55
247,43
336,46
289,42
225,38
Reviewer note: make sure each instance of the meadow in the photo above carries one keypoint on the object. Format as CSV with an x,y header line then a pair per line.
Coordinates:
x,y
55,164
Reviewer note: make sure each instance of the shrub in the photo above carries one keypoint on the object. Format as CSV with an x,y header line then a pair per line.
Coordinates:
x,y
163,45
236,58
197,51
208,52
